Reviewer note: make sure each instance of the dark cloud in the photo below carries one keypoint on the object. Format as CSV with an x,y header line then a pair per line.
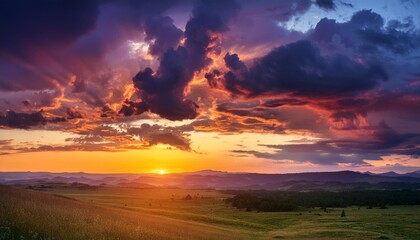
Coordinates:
x,y
260,118
14,77
5,142
87,139
133,137
366,32
347,4
107,111
132,108
395,106
326,4
284,102
118,22
232,62
26,103
345,103
299,69
154,134
72,113
329,80
399,37
260,26
267,21
27,23
208,18
36,30
110,139
50,42
402,101
380,141
229,124
163,92
170,139
26,120
346,113
79,85
345,120
89,147
326,29
162,34
285,10
313,114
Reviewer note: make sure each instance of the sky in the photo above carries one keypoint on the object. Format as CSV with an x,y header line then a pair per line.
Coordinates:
x,y
242,86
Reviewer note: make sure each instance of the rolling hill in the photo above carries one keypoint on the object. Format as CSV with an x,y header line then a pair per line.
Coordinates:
x,y
336,181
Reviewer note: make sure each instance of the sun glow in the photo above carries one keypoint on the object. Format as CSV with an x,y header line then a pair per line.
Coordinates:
x,y
161,171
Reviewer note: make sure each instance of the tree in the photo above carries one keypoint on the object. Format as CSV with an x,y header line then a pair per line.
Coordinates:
x,y
343,214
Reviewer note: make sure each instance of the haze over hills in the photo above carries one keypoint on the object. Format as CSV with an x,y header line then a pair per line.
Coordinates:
x,y
415,174
311,181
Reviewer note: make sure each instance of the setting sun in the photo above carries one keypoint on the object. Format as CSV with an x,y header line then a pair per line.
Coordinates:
x,y
161,171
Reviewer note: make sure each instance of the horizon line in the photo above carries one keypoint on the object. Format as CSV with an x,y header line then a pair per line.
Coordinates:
x,y
203,170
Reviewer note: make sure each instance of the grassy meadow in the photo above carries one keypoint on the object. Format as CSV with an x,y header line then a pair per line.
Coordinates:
x,y
127,213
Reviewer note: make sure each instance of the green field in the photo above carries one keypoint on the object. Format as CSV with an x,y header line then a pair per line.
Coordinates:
x,y
125,213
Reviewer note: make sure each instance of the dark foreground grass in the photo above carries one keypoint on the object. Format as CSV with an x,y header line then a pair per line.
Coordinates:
x,y
26,214
124,213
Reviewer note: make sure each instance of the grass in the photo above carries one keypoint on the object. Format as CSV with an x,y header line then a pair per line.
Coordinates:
x,y
26,214
124,213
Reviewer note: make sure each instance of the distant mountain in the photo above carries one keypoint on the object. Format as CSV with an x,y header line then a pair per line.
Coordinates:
x,y
207,172
415,174
311,181
389,174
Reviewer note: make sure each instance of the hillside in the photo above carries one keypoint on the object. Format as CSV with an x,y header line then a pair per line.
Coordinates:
x,y
27,214
316,181
159,213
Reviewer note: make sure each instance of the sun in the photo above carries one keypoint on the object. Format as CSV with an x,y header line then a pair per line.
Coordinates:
x,y
161,171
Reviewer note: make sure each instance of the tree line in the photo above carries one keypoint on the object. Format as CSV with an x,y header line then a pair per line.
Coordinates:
x,y
279,201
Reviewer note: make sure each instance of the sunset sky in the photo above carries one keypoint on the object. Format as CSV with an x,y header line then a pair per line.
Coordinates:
x,y
246,86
